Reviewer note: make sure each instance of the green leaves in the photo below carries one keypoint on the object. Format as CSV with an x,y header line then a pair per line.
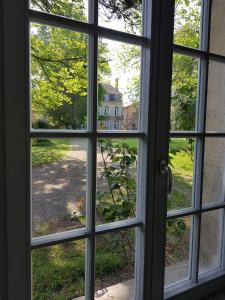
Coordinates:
x,y
119,160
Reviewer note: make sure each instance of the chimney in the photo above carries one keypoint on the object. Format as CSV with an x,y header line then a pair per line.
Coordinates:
x,y
117,83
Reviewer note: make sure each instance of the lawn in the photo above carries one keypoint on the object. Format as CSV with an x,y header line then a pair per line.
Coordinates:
x,y
182,169
59,271
45,152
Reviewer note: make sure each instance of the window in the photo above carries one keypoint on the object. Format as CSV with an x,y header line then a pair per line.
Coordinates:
x,y
117,111
83,210
116,125
106,110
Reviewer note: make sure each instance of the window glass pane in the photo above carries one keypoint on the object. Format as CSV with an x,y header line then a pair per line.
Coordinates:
x,y
217,42
178,242
211,240
215,114
119,68
187,23
121,15
58,185
115,263
59,271
116,179
184,92
214,171
181,161
58,78
74,9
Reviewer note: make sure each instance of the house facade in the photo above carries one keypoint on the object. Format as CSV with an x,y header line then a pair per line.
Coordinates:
x,y
110,112
130,117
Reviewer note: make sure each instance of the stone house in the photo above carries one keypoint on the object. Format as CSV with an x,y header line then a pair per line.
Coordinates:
x,y
111,110
130,117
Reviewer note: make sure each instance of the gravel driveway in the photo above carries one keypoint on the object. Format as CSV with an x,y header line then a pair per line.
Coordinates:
x,y
58,189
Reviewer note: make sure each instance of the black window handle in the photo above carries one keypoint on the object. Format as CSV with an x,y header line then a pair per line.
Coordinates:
x,y
165,170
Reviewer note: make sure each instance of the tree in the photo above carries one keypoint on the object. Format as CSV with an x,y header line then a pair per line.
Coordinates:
x,y
60,73
185,68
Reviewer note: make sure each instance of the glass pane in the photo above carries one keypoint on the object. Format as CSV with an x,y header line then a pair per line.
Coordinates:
x,y
119,68
215,114
184,92
115,263
58,185
116,179
187,23
59,271
178,241
217,42
181,160
58,78
74,9
214,171
211,240
121,15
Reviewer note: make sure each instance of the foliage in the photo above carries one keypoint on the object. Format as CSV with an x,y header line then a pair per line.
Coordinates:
x,y
70,8
185,68
59,70
118,202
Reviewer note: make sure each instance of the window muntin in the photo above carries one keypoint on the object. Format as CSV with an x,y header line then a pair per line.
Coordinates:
x,y
92,229
208,210
197,211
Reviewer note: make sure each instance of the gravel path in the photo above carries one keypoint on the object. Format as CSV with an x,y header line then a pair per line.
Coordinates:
x,y
59,188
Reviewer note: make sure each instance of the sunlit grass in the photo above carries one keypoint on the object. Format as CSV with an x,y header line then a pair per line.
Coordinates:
x,y
53,151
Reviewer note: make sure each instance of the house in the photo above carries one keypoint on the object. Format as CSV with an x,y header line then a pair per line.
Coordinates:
x,y
130,117
110,112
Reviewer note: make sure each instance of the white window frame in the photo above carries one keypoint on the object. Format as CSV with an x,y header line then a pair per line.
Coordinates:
x,y
15,231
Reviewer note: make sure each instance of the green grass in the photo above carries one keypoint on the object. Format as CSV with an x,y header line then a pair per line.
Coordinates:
x,y
59,271
182,170
47,153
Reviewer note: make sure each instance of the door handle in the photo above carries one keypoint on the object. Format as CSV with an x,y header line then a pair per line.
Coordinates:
x,y
165,170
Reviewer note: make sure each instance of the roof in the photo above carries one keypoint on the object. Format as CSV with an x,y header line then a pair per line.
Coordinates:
x,y
109,89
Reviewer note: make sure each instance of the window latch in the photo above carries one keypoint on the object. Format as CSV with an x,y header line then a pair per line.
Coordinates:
x,y
165,170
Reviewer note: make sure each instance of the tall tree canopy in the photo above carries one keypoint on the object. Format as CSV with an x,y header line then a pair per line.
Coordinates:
x,y
60,71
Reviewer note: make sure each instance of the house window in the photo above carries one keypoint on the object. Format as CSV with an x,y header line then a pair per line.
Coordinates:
x,y
106,110
95,209
117,111
116,124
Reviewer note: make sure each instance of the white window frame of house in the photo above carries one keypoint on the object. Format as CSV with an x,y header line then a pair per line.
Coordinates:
x,y
15,175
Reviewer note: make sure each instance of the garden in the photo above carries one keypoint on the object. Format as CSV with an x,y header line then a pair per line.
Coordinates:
x,y
59,88
59,271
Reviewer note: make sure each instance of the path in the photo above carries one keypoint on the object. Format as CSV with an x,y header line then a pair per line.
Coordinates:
x,y
58,187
